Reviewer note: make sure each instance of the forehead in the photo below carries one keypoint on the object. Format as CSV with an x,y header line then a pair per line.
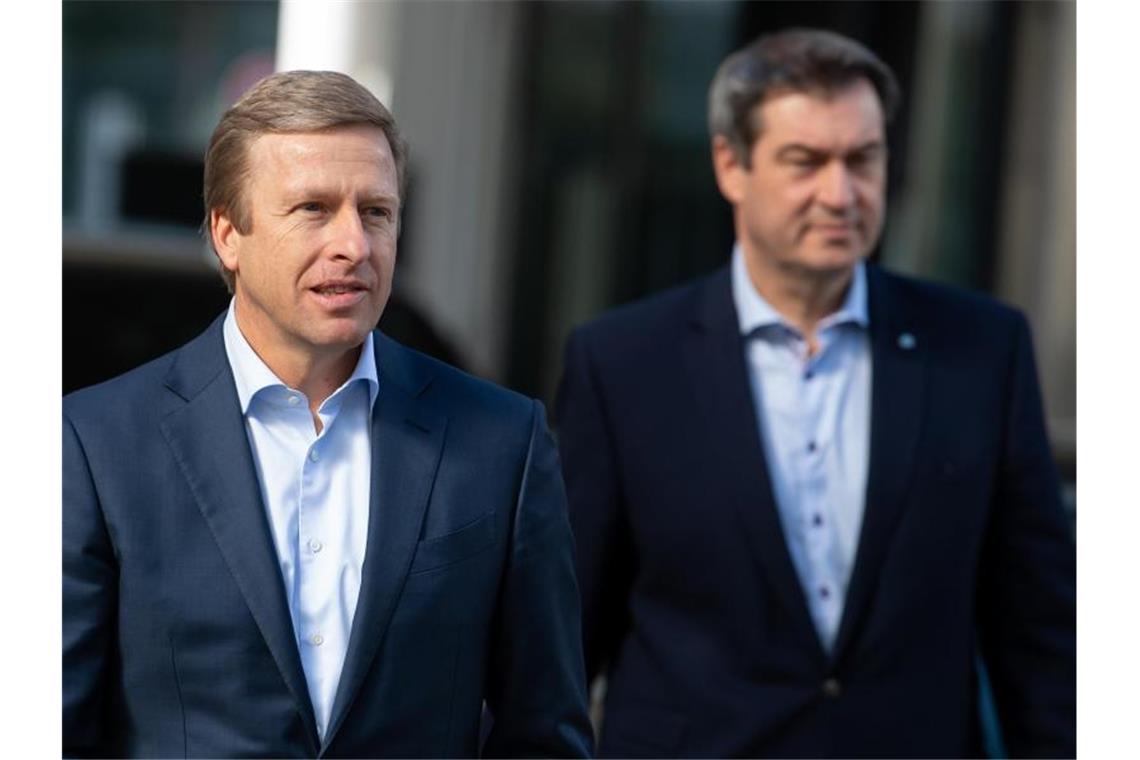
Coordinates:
x,y
358,152
824,118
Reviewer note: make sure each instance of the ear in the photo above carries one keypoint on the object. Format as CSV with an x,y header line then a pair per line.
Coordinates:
x,y
730,173
226,239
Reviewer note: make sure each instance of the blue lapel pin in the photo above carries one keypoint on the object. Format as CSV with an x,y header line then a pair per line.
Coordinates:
x,y
907,341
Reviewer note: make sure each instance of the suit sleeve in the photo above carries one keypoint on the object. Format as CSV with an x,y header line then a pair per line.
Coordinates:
x,y
605,552
536,689
90,580
1027,588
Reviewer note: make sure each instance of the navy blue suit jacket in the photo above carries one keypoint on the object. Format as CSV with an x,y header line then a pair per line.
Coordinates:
x,y
177,638
691,603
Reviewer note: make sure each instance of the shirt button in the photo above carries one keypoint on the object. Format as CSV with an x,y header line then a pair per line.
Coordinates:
x,y
315,545
824,591
809,375
811,446
832,688
817,520
317,639
294,400
313,455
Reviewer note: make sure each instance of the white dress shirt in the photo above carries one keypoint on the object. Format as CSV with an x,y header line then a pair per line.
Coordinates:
x,y
315,488
814,417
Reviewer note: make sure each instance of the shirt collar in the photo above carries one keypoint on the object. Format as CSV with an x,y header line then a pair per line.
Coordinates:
x,y
753,312
251,375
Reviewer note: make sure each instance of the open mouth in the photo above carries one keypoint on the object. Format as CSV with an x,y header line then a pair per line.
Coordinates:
x,y
340,294
335,290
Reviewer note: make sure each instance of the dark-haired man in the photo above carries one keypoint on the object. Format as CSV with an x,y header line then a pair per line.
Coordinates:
x,y
807,493
292,536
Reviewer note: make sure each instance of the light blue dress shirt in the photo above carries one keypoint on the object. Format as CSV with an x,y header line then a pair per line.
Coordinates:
x,y
315,488
813,414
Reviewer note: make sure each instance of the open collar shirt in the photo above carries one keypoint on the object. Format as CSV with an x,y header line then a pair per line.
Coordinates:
x,y
813,414
315,488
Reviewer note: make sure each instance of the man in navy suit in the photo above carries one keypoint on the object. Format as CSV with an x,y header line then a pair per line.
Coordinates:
x,y
808,493
292,536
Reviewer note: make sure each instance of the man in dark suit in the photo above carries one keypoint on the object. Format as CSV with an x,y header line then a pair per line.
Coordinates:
x,y
807,493
293,536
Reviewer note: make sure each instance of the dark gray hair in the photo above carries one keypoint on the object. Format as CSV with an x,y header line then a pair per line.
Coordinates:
x,y
287,102
797,60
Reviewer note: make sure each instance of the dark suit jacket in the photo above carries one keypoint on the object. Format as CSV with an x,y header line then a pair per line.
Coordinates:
x,y
691,604
177,638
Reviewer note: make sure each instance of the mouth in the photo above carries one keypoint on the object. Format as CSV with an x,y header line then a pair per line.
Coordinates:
x,y
835,229
340,294
836,234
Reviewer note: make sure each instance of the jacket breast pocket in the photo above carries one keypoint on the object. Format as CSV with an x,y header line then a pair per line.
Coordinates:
x,y
450,548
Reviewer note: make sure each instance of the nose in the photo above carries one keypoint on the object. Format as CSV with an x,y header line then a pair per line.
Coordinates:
x,y
837,188
349,240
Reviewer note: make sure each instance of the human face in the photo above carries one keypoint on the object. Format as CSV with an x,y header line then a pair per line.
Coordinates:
x,y
812,201
314,269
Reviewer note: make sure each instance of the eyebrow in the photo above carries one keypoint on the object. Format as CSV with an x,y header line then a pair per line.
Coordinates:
x,y
303,194
867,147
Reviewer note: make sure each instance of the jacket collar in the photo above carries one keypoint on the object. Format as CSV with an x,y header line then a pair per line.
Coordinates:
x,y
207,438
900,343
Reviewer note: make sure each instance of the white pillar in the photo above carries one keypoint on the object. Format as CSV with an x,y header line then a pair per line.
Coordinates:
x,y
353,37
456,101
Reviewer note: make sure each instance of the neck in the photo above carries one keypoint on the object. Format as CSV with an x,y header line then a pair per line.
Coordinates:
x,y
799,295
316,373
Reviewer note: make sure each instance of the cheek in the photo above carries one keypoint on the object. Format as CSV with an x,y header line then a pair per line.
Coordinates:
x,y
256,266
384,253
873,209
872,192
794,194
796,207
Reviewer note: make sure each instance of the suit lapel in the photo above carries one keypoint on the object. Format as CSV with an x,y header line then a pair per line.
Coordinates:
x,y
208,440
714,358
898,386
407,441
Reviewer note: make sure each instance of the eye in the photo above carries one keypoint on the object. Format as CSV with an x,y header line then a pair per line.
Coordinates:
x,y
380,213
864,161
311,207
803,162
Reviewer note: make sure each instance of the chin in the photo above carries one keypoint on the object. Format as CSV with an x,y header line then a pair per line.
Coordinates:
x,y
830,261
343,336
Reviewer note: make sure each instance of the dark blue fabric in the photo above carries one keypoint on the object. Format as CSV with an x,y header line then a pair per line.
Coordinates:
x,y
177,639
691,604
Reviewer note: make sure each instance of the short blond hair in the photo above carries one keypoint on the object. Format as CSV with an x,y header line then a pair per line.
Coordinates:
x,y
283,103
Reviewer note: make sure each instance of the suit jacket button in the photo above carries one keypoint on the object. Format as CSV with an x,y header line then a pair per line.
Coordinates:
x,y
832,688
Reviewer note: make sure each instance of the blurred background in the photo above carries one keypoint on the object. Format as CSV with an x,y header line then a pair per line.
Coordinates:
x,y
559,163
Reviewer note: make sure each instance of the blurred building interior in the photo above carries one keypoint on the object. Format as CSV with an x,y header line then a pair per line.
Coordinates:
x,y
559,163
